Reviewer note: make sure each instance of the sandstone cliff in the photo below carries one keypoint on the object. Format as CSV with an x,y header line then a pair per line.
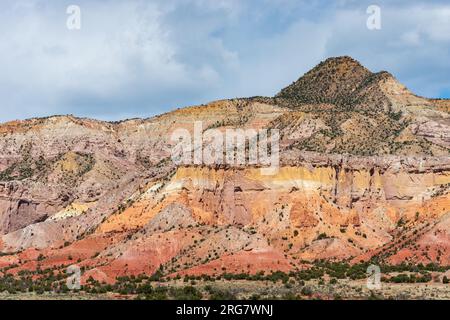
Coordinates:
x,y
365,172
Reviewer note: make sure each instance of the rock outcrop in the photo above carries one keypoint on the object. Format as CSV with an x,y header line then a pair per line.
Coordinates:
x,y
364,172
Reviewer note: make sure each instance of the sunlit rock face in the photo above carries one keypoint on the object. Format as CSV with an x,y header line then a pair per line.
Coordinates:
x,y
364,171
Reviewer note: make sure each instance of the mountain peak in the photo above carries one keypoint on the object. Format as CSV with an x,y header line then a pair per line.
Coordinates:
x,y
331,81
341,61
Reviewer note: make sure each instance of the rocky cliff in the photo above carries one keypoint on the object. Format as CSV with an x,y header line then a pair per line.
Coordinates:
x,y
364,172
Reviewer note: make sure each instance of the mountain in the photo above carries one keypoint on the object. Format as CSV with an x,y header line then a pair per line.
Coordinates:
x,y
346,84
365,174
334,81
364,113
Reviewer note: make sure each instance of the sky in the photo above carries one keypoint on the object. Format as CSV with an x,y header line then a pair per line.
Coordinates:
x,y
140,58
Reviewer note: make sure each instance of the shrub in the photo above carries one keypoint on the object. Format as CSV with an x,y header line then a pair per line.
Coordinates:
x,y
322,236
306,291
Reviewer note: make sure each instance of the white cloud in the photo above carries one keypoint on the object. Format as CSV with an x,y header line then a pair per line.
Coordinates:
x,y
411,38
137,58
120,47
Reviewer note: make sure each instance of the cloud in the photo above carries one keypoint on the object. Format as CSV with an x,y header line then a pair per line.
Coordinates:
x,y
139,58
121,54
